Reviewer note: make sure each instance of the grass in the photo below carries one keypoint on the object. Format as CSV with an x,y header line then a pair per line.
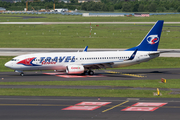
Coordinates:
x,y
171,83
78,36
75,18
84,93
3,60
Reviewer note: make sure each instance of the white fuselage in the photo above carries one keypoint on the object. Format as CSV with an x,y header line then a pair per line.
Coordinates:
x,y
59,61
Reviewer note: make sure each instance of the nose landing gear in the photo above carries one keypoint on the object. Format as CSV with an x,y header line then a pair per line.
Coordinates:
x,y
21,72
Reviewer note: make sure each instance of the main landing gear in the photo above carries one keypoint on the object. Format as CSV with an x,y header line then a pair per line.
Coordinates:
x,y
90,72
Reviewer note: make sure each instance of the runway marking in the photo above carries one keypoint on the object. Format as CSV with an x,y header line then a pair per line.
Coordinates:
x,y
144,106
140,109
115,106
133,75
149,104
72,76
86,106
81,108
94,103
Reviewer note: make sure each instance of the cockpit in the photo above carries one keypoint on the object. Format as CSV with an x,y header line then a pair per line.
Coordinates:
x,y
15,60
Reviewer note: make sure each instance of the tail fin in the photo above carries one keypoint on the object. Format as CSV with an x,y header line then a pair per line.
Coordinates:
x,y
151,40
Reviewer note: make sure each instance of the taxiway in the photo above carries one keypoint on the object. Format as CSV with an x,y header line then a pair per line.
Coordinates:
x,y
88,108
119,74
81,108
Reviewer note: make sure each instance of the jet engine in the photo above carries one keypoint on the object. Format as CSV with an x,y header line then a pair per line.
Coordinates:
x,y
74,69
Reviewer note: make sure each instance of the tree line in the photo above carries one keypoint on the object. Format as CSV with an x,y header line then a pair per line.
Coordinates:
x,y
104,5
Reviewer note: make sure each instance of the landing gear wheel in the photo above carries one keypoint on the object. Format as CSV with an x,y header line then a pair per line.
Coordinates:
x,y
21,74
84,73
91,73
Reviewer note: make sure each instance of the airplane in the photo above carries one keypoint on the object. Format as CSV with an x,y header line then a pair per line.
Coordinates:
x,y
85,62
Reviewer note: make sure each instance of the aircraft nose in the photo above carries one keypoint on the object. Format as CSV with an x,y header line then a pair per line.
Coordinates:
x,y
7,64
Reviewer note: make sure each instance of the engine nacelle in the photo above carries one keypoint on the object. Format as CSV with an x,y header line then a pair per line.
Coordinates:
x,y
74,69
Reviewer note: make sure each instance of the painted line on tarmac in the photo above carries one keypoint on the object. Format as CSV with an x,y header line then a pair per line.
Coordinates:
x,y
115,106
132,75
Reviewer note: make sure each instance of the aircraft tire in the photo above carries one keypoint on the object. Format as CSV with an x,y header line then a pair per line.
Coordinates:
x,y
22,74
91,73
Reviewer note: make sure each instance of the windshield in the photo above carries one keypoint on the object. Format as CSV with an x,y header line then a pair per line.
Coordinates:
x,y
14,60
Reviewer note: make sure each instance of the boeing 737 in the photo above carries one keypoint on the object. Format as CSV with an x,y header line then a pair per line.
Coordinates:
x,y
86,62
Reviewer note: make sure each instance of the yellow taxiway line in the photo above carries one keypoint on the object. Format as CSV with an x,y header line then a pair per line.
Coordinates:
x,y
115,106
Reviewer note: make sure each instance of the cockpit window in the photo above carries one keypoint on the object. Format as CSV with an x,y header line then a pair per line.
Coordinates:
x,y
14,60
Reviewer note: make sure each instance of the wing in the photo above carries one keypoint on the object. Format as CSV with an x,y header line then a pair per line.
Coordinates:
x,y
98,65
107,64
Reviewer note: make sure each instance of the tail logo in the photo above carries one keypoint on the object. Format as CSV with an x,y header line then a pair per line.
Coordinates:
x,y
152,39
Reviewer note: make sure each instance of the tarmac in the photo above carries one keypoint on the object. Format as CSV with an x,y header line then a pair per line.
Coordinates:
x,y
88,108
116,74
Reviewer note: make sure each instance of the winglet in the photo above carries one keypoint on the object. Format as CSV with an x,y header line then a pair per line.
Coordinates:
x,y
133,55
85,49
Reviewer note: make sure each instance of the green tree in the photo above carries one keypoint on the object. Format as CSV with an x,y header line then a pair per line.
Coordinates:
x,y
73,1
152,7
135,8
104,7
111,8
161,9
118,6
178,9
126,7
141,8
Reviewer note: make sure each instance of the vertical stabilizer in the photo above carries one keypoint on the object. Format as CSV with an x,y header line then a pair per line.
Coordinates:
x,y
151,40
